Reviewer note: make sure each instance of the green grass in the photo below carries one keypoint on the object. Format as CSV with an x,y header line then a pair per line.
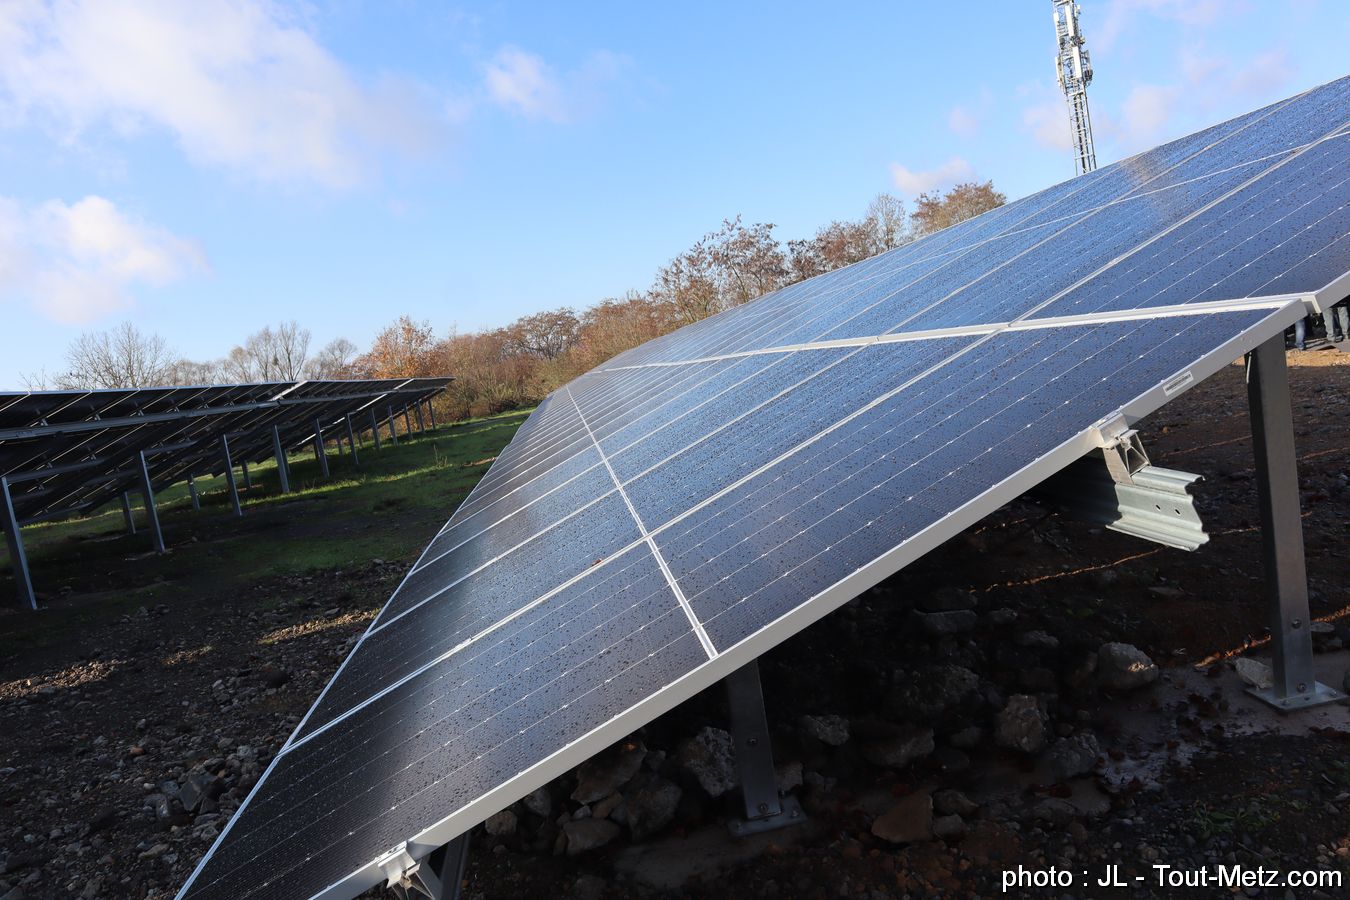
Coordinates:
x,y
390,507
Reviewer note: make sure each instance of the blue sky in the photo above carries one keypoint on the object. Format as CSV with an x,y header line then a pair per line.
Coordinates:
x,y
203,169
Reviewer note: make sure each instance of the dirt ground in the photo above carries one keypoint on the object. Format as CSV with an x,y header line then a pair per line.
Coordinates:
x,y
148,672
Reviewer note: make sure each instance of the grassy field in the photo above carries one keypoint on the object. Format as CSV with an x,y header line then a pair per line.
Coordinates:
x,y
90,569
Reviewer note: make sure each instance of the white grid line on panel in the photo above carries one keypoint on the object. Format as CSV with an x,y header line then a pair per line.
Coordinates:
x,y
1019,324
651,544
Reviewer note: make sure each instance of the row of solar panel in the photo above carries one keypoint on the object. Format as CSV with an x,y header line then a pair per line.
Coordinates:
x,y
754,487
72,451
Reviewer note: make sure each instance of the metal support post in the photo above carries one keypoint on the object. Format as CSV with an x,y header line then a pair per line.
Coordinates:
x,y
151,512
1294,684
18,560
431,412
283,470
229,475
375,428
126,513
192,492
393,431
248,478
765,810
351,441
421,423
319,453
407,421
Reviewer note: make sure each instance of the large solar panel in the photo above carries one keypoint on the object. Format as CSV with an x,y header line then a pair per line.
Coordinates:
x,y
664,519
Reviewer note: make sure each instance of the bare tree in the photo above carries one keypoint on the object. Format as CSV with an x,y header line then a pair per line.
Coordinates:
x,y
844,243
187,371
933,212
546,335
725,268
121,357
271,354
334,360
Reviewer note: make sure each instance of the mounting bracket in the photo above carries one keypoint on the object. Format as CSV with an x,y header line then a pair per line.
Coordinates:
x,y
1117,487
437,875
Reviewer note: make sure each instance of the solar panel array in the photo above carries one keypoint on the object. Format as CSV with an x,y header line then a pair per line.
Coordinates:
x,y
667,517
68,452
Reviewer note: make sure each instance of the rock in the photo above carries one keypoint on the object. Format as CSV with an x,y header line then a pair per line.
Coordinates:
x,y
1345,682
588,887
104,818
1124,667
908,821
951,802
788,776
945,623
967,738
606,807
1022,724
831,730
501,824
900,749
199,788
1003,617
1073,756
1167,592
1038,640
584,835
946,599
539,802
931,691
649,804
1254,672
949,828
599,777
710,758
1055,811
155,851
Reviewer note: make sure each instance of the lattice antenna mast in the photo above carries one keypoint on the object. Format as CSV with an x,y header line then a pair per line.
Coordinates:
x,y
1073,67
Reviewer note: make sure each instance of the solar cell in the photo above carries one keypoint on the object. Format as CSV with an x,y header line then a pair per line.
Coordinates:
x,y
664,519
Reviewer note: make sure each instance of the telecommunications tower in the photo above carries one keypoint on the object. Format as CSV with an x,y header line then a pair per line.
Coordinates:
x,y
1073,68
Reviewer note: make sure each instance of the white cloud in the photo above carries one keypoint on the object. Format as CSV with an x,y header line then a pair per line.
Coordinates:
x,y
243,85
525,84
78,262
963,122
1147,110
1124,15
914,183
1048,124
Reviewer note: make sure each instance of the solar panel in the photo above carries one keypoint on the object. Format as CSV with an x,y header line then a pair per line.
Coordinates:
x,y
664,519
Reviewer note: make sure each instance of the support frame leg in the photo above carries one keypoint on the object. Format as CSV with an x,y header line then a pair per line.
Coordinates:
x,y
229,475
127,517
283,470
192,493
1294,685
320,454
393,430
765,808
351,441
375,429
151,510
18,559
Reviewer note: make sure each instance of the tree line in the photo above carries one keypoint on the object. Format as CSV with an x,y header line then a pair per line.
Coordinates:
x,y
518,364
